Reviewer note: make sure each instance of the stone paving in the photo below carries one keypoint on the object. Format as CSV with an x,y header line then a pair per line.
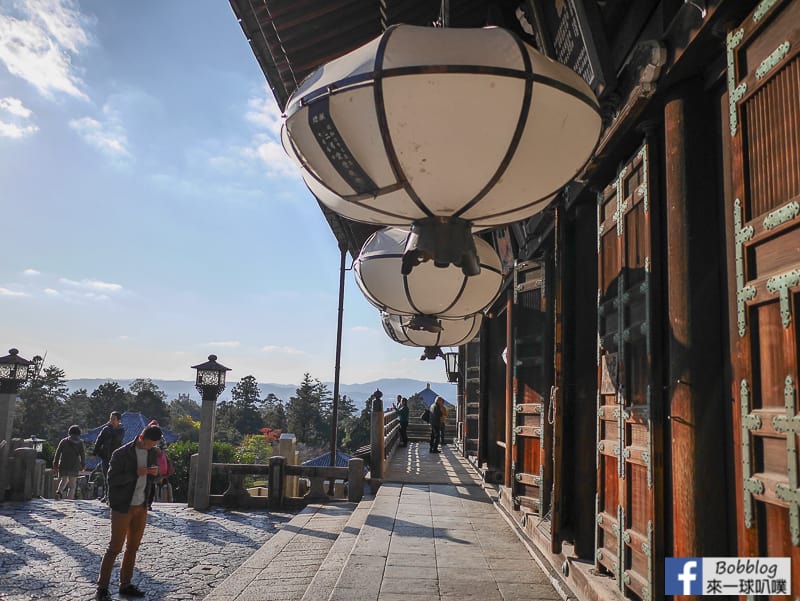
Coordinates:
x,y
52,549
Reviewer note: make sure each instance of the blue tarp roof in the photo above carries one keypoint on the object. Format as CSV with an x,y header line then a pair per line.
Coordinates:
x,y
429,396
342,460
133,422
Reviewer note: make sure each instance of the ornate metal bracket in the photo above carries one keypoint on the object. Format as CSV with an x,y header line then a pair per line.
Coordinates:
x,y
751,485
773,60
763,9
743,293
782,215
735,93
644,187
780,284
790,425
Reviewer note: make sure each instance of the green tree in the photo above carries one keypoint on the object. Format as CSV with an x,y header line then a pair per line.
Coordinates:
x,y
246,397
180,454
357,431
107,397
149,400
184,405
305,412
254,449
346,417
76,409
41,406
185,427
225,423
273,413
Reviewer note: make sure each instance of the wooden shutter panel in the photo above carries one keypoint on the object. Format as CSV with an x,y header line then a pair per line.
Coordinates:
x,y
764,205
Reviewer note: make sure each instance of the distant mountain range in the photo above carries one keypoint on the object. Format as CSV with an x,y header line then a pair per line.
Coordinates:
x,y
390,387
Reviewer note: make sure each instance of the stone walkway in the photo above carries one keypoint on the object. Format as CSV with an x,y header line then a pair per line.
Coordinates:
x,y
52,549
431,533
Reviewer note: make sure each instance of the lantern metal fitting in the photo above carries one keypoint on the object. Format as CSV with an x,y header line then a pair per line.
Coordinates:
x,y
451,366
210,378
451,332
429,290
13,372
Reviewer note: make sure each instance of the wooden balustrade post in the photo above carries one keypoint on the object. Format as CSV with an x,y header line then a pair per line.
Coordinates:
x,y
277,481
377,437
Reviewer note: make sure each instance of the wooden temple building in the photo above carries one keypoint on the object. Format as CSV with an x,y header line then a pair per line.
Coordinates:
x,y
633,393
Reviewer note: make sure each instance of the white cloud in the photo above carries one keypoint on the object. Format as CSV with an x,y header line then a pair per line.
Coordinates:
x,y
14,106
51,292
39,44
264,151
7,292
264,112
107,136
229,343
31,272
285,350
92,285
18,124
12,130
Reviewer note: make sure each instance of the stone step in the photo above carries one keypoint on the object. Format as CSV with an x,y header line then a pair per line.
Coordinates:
x,y
333,564
284,567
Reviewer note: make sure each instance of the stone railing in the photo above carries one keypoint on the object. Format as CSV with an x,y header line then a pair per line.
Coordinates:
x,y
321,483
25,475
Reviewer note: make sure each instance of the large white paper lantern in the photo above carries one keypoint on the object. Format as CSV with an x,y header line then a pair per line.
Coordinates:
x,y
428,290
452,332
441,129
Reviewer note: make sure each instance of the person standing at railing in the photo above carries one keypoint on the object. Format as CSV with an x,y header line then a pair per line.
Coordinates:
x,y
444,423
437,423
402,416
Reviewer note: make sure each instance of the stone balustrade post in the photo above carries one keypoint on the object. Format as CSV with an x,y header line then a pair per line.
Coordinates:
x,y
355,480
202,487
192,480
22,485
8,403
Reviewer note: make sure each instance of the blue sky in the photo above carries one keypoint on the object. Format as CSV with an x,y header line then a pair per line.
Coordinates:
x,y
149,214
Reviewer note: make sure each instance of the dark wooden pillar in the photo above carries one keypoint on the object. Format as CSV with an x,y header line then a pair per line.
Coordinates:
x,y
696,416
508,477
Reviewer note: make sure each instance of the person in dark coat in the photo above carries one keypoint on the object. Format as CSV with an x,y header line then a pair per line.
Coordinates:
x,y
69,460
437,423
108,441
402,417
132,470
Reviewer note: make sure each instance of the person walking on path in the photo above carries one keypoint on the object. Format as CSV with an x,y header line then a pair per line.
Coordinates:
x,y
436,423
402,416
108,441
131,471
69,461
